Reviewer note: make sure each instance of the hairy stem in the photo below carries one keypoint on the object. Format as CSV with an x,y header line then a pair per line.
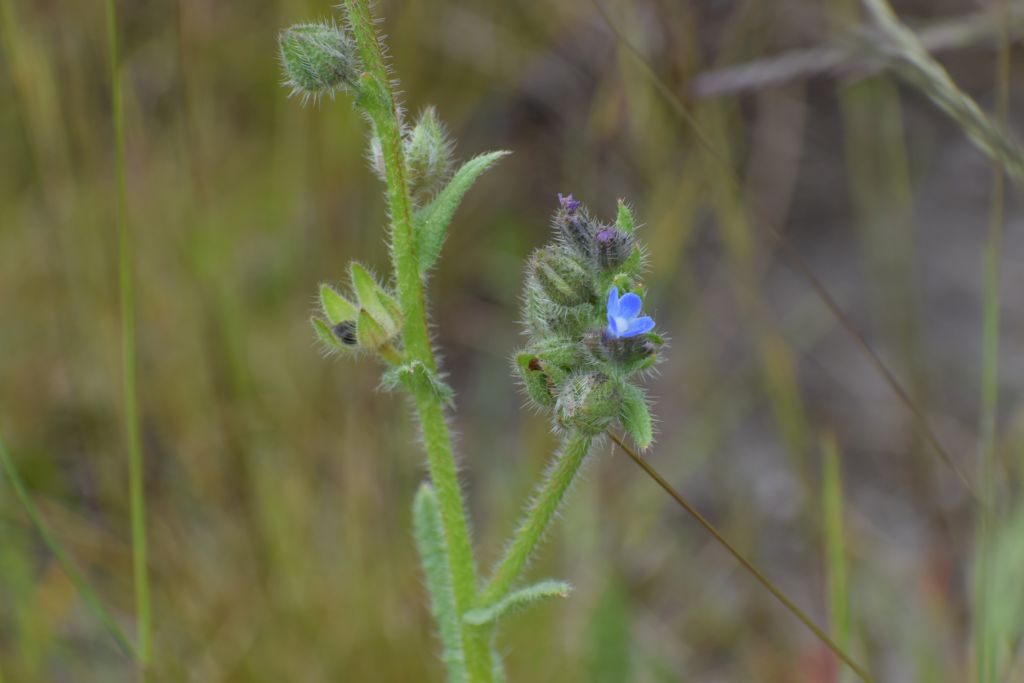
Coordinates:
x,y
539,513
380,104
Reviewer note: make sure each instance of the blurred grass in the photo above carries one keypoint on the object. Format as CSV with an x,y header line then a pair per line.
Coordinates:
x,y
278,483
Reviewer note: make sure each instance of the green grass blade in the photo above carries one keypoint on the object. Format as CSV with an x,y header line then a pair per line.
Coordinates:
x,y
128,358
986,600
81,585
840,621
607,646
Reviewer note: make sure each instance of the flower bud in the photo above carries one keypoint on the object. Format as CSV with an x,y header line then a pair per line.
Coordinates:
x,y
428,155
538,382
576,230
588,403
317,59
562,277
613,247
545,317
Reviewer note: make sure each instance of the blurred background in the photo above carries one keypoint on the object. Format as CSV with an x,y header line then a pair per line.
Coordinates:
x,y
279,482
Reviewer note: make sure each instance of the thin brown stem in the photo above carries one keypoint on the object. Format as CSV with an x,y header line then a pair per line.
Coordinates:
x,y
818,632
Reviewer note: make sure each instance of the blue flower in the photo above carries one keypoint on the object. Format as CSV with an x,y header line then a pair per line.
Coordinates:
x,y
622,315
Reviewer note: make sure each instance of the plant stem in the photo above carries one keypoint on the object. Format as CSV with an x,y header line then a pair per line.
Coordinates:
x,y
747,564
985,638
128,360
539,513
383,111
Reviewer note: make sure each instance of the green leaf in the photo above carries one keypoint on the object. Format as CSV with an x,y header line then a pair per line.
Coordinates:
x,y
336,307
429,534
432,220
516,600
635,417
373,300
840,619
624,221
326,335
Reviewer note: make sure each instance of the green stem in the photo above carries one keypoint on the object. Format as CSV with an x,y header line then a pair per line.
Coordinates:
x,y
128,360
380,104
538,516
985,640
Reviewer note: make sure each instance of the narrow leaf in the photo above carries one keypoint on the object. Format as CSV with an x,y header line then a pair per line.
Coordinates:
x,y
434,559
336,307
607,645
835,547
432,220
635,417
516,600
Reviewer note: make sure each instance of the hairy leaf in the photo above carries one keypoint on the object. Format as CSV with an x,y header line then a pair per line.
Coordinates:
x,y
516,600
434,559
432,220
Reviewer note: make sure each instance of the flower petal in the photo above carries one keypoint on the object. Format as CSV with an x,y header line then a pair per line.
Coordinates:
x,y
613,302
629,305
639,326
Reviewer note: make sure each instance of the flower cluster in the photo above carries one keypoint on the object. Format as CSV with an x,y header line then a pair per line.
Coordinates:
x,y
587,342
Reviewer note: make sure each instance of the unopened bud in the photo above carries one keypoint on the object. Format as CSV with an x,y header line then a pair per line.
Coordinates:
x,y
588,403
562,277
613,247
317,59
428,155
576,231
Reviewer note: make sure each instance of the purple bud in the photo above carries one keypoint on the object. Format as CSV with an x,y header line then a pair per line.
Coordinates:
x,y
613,247
569,204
